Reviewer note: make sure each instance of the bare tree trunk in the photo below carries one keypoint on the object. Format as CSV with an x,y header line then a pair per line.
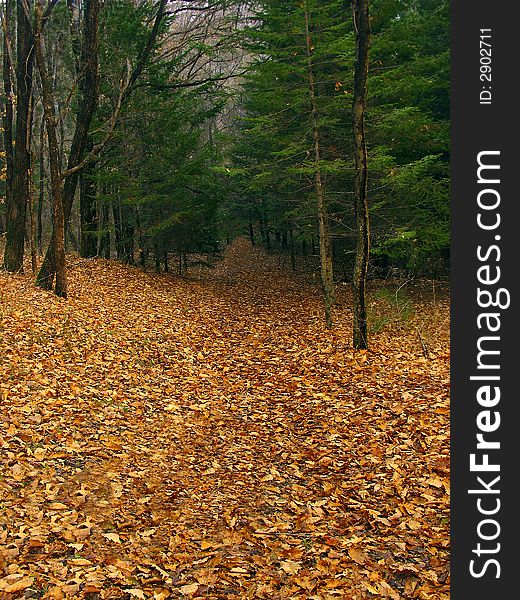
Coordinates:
x,y
14,247
49,111
327,276
32,192
39,214
362,29
32,198
7,69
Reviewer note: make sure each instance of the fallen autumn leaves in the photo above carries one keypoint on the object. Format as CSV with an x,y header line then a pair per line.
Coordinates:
x,y
209,438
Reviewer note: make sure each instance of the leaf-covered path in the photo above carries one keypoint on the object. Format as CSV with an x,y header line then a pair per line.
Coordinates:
x,y
208,438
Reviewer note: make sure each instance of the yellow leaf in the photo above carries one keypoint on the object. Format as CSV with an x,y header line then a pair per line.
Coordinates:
x,y
58,506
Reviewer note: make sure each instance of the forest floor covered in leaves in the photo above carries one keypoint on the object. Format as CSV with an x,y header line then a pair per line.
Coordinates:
x,y
207,437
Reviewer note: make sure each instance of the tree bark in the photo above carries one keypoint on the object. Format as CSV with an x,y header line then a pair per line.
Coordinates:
x,y
39,213
14,247
362,29
128,233
327,276
32,221
32,193
49,111
7,72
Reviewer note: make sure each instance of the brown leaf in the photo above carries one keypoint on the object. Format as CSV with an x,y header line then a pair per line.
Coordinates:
x,y
357,554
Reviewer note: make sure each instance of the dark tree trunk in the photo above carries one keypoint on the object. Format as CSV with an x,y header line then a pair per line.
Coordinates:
x,y
88,209
7,71
362,29
71,239
251,234
283,240
89,91
157,259
128,233
14,247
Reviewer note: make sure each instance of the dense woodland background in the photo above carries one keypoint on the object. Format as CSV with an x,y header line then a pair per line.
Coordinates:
x,y
180,125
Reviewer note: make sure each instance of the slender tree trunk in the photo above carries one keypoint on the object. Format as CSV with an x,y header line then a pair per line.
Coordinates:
x,y
39,213
32,194
128,232
49,111
14,247
327,276
362,29
8,112
32,221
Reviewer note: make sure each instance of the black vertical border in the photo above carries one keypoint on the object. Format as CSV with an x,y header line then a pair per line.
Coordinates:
x,y
480,127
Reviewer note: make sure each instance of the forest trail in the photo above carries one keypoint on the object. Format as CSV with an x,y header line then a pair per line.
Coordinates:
x,y
207,437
